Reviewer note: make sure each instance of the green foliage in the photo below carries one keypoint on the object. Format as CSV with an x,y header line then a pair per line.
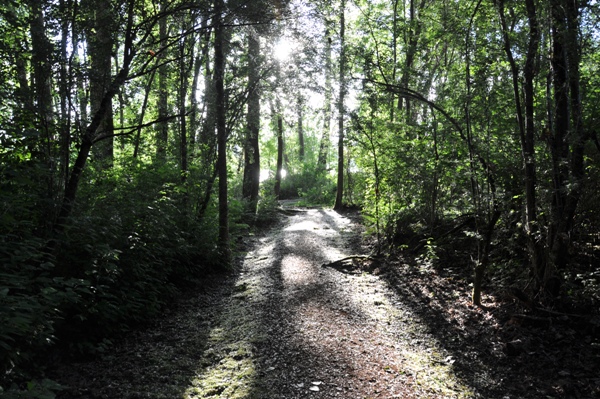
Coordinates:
x,y
139,243
314,189
131,244
34,389
436,100
266,212
32,303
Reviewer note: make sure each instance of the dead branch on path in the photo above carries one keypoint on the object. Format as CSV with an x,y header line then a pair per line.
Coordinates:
x,y
339,262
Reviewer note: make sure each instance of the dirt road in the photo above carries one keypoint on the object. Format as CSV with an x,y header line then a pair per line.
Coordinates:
x,y
284,326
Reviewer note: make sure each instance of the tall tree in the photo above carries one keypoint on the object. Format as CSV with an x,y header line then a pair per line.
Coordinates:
x,y
325,140
185,64
207,141
300,114
65,90
101,44
220,111
411,39
162,127
568,140
41,51
279,163
252,151
42,148
341,110
526,127
90,135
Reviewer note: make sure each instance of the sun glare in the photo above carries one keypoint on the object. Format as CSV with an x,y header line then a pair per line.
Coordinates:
x,y
283,48
267,174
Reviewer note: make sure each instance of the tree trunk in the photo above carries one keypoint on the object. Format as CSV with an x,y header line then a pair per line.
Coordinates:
x,y
279,155
567,155
324,147
90,132
195,111
340,170
415,26
484,258
100,51
251,153
162,133
42,148
207,139
527,131
42,70
219,65
394,58
300,128
184,70
65,94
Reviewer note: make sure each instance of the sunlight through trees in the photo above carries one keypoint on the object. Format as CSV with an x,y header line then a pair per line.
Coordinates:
x,y
140,139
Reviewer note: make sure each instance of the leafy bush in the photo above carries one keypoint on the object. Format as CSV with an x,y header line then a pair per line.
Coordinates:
x,y
131,243
32,299
34,389
320,192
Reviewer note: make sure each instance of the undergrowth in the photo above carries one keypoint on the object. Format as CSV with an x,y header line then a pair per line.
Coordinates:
x,y
132,244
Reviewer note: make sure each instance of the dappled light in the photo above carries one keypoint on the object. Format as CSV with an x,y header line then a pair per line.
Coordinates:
x,y
256,199
296,327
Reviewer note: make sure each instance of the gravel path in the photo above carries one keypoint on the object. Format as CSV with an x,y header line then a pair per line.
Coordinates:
x,y
285,327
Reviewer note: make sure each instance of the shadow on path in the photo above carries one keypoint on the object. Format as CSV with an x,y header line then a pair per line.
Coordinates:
x,y
286,327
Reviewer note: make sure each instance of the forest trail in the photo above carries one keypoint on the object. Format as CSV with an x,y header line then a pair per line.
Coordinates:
x,y
285,326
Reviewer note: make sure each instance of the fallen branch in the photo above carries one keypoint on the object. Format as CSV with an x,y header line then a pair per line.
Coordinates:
x,y
347,258
290,212
521,297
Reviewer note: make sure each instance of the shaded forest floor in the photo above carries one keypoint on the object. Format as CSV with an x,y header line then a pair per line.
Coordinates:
x,y
285,326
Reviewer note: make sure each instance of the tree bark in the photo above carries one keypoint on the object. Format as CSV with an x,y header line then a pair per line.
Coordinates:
x,y
42,70
341,113
195,111
415,26
162,133
65,95
324,146
219,66
252,151
279,166
184,71
527,130
42,147
300,110
89,135
100,51
394,57
567,143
